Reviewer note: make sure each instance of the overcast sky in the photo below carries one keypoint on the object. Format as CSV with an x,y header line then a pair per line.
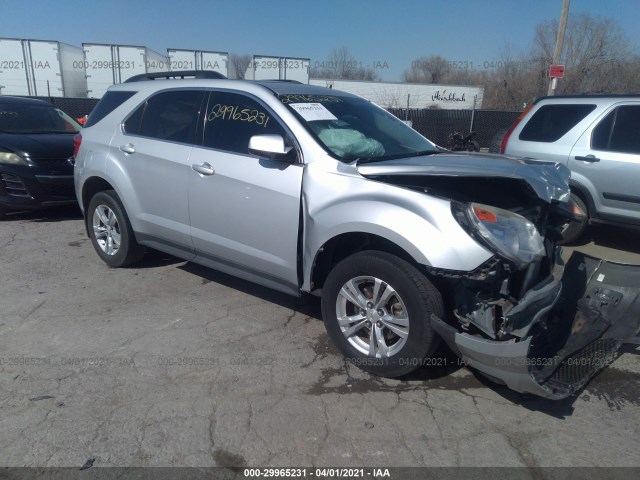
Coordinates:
x,y
386,35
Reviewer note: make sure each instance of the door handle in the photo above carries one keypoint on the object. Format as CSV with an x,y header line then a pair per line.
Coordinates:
x,y
127,148
204,169
588,158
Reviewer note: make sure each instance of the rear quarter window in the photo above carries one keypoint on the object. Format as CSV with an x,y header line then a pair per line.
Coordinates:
x,y
619,131
107,104
551,122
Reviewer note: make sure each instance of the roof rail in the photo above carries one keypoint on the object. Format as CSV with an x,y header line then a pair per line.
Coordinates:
x,y
177,74
591,95
279,80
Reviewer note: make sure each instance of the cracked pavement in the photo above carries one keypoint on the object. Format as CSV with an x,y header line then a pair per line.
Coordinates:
x,y
171,364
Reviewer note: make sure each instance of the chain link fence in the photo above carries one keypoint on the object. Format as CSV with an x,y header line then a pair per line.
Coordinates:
x,y
436,125
74,107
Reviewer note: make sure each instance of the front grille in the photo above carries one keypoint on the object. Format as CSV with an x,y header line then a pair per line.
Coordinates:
x,y
574,371
13,185
60,165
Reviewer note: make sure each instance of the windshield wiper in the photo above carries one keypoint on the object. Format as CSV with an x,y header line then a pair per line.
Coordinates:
x,y
422,153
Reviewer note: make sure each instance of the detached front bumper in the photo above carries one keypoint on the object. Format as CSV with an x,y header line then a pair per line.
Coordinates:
x,y
577,319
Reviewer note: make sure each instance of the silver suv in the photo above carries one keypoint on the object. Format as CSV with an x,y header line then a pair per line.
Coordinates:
x,y
306,189
598,138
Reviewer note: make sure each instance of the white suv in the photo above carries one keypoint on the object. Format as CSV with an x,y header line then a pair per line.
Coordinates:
x,y
598,138
307,189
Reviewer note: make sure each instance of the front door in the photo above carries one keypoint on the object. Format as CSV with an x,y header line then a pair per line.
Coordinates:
x,y
245,208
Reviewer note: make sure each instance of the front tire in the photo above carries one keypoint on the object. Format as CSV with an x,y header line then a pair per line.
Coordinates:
x,y
377,310
110,230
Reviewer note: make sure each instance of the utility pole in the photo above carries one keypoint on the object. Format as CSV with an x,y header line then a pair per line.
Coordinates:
x,y
559,40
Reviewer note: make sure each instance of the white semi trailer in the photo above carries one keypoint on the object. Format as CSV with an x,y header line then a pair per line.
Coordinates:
x,y
41,68
179,59
410,95
279,68
107,65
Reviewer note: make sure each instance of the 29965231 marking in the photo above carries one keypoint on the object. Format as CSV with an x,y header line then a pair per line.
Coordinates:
x,y
232,112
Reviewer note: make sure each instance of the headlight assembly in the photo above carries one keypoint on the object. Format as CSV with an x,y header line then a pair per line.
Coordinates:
x,y
508,234
12,159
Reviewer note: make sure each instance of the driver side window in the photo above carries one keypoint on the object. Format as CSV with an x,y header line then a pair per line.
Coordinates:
x,y
232,119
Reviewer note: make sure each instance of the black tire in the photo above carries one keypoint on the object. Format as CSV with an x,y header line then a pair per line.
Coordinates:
x,y
3,212
128,251
574,230
415,297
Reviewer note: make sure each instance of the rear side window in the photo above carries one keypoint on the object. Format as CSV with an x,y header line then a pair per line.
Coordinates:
x,y
106,105
551,122
171,116
619,131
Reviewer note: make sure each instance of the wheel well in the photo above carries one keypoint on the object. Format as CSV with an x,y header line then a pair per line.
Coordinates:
x,y
342,246
92,186
584,195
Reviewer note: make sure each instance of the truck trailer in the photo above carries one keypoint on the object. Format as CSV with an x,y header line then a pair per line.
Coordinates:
x,y
41,68
107,65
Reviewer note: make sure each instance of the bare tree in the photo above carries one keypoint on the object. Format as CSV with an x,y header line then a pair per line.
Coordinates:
x,y
512,82
433,69
239,65
595,52
597,55
341,64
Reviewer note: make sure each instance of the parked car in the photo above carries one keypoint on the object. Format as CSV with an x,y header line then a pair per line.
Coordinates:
x,y
36,141
598,138
306,189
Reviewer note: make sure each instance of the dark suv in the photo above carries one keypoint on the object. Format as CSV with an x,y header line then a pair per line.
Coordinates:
x,y
36,139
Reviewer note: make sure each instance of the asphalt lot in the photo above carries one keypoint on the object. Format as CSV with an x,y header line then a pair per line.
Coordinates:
x,y
171,364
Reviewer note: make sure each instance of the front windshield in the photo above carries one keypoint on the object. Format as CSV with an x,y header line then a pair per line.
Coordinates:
x,y
353,128
35,119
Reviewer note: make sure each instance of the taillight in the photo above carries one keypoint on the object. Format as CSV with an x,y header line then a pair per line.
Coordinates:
x,y
505,139
77,140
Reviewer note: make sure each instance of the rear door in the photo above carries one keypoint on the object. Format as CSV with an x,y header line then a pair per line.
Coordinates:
x,y
606,159
245,208
152,150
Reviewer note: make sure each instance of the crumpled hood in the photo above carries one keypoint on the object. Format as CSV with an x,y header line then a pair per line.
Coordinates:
x,y
550,181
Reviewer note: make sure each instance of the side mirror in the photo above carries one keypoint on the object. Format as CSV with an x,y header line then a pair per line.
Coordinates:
x,y
270,145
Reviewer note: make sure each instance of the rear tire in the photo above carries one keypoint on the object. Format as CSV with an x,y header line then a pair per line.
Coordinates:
x,y
377,310
110,230
572,231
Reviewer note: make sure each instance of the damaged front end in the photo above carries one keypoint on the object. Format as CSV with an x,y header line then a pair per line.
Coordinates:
x,y
522,318
558,335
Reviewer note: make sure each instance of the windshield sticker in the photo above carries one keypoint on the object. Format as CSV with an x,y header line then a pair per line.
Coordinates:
x,y
312,112
309,98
